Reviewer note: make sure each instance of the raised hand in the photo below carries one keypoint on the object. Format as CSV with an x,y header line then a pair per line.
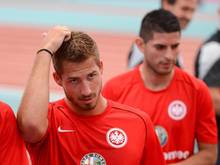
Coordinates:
x,y
54,38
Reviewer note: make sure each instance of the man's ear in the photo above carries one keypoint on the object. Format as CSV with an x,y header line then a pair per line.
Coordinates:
x,y
165,5
101,66
99,63
57,78
140,44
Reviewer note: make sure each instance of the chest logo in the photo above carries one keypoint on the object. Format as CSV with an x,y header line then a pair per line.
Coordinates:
x,y
116,137
177,110
161,134
93,159
64,130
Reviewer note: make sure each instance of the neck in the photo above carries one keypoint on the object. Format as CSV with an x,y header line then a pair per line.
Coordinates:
x,y
153,80
99,108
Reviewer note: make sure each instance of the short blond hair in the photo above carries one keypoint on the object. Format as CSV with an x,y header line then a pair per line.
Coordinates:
x,y
79,48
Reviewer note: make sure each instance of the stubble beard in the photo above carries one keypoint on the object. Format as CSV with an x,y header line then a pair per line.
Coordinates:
x,y
160,72
84,107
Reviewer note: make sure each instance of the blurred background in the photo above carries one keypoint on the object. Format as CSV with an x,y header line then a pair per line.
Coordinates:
x,y
113,24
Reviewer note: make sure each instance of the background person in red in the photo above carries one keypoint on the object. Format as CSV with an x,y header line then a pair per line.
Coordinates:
x,y
184,11
82,128
12,147
207,68
179,105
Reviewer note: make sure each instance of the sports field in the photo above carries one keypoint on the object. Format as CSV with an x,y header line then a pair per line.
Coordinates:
x,y
113,24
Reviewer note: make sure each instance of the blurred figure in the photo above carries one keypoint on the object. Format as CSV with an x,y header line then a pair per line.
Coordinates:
x,y
207,68
12,147
83,128
179,105
183,10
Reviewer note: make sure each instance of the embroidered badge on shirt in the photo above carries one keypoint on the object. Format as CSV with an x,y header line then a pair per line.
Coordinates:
x,y
177,110
116,137
161,134
93,159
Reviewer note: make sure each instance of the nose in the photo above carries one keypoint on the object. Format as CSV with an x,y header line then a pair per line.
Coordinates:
x,y
85,88
169,55
189,15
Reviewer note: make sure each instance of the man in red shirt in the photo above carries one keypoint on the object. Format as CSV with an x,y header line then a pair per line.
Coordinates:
x,y
184,11
83,128
12,147
178,104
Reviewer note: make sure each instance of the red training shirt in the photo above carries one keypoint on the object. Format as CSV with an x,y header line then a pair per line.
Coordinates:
x,y
120,135
12,147
180,113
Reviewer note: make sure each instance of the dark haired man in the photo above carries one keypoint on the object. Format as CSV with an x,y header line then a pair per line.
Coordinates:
x,y
179,105
183,10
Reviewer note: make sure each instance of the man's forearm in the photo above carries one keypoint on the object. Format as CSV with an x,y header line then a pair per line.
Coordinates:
x,y
215,93
32,114
206,156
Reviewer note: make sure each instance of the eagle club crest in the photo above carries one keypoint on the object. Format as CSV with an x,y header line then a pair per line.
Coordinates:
x,y
177,110
116,137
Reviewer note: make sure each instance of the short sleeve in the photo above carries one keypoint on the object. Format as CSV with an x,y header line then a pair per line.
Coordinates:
x,y
153,151
206,129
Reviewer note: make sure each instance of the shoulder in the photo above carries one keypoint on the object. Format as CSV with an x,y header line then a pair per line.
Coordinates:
x,y
4,105
6,114
123,78
56,107
189,80
209,51
6,111
130,112
214,37
210,47
120,84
